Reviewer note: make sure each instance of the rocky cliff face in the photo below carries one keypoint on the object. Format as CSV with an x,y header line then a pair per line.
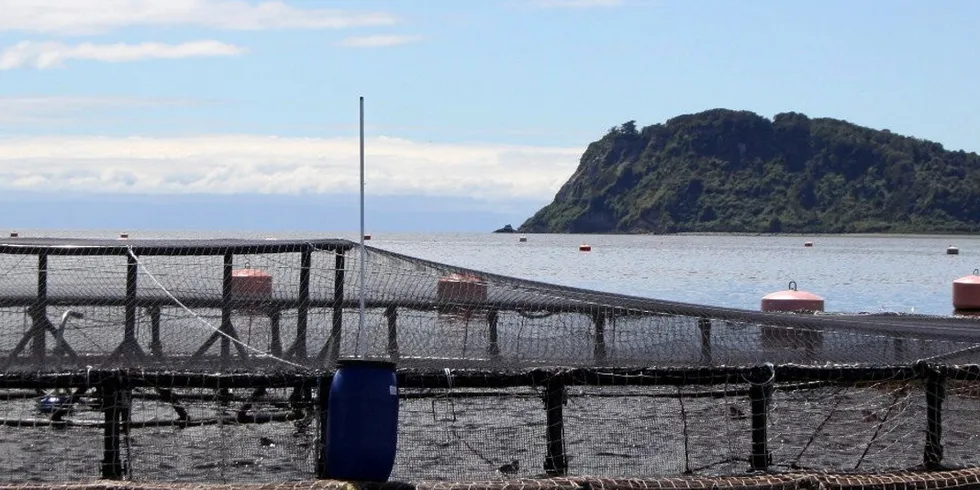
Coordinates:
x,y
735,171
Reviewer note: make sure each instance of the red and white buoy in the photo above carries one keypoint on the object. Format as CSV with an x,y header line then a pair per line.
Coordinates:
x,y
461,287
14,234
966,292
792,300
123,236
807,244
585,247
251,284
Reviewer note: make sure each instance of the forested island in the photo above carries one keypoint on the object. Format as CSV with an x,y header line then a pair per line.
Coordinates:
x,y
737,172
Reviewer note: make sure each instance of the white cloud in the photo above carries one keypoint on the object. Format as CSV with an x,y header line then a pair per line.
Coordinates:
x,y
44,55
578,3
278,165
378,41
97,16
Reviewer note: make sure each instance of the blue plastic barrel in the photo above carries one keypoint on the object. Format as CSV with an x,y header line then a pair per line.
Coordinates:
x,y
361,428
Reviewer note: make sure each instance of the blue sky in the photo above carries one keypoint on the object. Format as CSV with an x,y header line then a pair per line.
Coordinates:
x,y
469,103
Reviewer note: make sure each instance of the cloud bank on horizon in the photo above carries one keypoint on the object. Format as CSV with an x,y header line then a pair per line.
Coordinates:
x,y
222,164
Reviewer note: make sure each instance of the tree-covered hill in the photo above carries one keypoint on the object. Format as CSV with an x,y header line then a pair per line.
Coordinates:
x,y
734,171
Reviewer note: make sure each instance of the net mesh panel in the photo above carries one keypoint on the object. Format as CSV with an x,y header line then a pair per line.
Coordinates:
x,y
501,377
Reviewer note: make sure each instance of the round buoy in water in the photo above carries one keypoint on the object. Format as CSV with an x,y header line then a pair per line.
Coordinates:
x,y
14,234
966,292
807,244
123,236
951,250
792,300
522,239
585,248
367,237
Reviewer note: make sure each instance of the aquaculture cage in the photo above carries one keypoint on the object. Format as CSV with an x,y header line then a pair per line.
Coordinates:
x,y
207,361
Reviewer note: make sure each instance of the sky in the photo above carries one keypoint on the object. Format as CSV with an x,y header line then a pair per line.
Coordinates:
x,y
238,114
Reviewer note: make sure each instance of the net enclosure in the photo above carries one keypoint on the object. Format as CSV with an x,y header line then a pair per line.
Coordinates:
x,y
205,360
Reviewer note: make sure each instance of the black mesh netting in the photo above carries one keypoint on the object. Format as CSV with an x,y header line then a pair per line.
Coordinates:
x,y
205,361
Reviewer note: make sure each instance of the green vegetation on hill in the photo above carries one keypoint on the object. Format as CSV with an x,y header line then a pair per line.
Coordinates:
x,y
734,171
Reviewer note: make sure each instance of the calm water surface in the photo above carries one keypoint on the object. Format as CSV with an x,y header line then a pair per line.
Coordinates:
x,y
854,273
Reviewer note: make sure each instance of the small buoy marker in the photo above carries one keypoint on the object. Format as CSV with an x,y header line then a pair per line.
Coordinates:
x,y
951,250
966,292
807,244
14,234
123,236
522,238
792,300
367,237
585,247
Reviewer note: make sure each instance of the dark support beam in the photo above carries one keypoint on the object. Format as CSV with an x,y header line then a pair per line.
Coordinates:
x,y
555,463
226,306
302,312
599,351
132,276
323,400
391,314
275,330
130,347
112,410
935,396
493,344
760,394
39,344
156,347
336,330
704,325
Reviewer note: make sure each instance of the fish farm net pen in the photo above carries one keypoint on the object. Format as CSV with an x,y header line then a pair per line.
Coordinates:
x,y
188,362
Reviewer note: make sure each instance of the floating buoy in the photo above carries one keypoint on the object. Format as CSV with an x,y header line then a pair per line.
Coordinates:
x,y
522,238
951,250
123,236
585,248
807,244
250,284
792,300
966,292
367,237
461,287
14,234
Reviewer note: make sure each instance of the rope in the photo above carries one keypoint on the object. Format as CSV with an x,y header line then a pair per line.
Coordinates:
x,y
258,352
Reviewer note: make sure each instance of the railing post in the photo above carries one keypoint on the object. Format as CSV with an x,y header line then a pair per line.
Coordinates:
x,y
156,347
935,396
599,350
760,395
40,309
323,398
275,331
704,325
391,313
555,463
112,409
493,341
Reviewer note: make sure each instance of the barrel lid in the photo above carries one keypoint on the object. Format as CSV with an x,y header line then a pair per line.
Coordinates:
x,y
365,363
971,279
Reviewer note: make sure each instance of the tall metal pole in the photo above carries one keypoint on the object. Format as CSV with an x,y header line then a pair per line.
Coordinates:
x,y
360,324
